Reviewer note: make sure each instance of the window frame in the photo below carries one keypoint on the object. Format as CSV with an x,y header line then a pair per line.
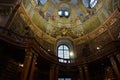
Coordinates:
x,y
93,3
65,78
69,44
63,51
89,4
41,2
64,10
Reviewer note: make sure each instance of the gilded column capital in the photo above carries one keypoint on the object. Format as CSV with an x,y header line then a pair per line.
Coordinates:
x,y
28,52
80,68
86,71
85,67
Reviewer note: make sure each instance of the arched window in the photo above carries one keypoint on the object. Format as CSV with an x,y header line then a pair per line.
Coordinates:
x,y
93,3
64,79
89,3
65,51
41,2
64,10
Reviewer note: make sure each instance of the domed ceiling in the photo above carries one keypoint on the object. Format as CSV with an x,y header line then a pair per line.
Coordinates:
x,y
66,18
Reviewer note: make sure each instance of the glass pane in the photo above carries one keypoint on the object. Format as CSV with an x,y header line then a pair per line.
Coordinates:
x,y
60,51
67,78
64,79
41,2
60,54
65,47
66,54
69,61
65,61
60,78
60,13
66,13
85,2
63,52
60,60
93,3
60,47
89,3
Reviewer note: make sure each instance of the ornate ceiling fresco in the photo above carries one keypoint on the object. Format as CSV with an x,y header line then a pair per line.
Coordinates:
x,y
83,16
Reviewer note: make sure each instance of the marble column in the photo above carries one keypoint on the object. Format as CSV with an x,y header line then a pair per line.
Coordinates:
x,y
86,72
81,73
33,67
52,72
114,66
56,72
27,63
